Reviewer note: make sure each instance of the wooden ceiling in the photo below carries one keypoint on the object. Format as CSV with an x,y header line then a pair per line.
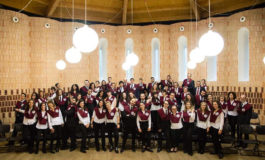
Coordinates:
x,y
122,12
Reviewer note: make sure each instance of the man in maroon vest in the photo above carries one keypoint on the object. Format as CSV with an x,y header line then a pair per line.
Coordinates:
x,y
189,83
84,89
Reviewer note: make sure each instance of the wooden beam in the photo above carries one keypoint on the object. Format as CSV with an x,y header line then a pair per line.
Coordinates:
x,y
124,11
44,2
194,7
52,6
153,10
91,8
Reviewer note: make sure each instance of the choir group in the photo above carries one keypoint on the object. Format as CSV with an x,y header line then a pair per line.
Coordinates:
x,y
165,109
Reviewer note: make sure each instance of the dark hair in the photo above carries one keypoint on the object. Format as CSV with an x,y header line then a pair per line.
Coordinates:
x,y
37,97
80,102
72,88
152,77
233,93
92,83
131,79
56,84
218,103
53,88
24,94
121,82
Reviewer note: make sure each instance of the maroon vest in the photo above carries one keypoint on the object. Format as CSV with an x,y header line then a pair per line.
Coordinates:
x,y
83,112
186,116
201,116
163,115
144,116
30,114
111,114
42,119
131,111
214,116
100,115
175,118
54,113
232,106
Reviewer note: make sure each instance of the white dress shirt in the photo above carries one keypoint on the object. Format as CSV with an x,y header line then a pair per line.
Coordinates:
x,y
219,123
43,126
55,121
83,120
96,119
138,120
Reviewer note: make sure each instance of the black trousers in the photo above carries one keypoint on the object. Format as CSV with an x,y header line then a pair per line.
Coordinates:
x,y
40,132
216,140
187,137
127,130
145,134
56,135
202,135
246,136
113,131
99,127
154,118
84,132
29,132
174,137
166,132
232,120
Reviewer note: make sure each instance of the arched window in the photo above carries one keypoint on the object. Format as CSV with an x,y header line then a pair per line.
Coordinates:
x,y
156,58
212,68
128,50
243,54
182,57
103,45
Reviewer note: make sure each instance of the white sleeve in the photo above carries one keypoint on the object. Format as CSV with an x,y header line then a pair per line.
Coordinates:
x,y
114,103
192,117
137,121
121,107
80,118
94,114
21,110
222,121
49,121
149,121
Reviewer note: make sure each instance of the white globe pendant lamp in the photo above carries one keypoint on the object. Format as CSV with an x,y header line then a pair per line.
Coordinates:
x,y
264,60
191,64
60,65
85,39
196,55
211,43
73,55
132,59
126,66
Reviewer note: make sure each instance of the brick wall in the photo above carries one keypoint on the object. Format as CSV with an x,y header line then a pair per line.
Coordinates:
x,y
29,51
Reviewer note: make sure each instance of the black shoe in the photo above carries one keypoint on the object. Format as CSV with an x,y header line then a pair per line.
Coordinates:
x,y
86,148
133,149
190,153
149,149
159,149
116,150
110,148
72,149
122,150
220,155
83,151
97,149
37,151
168,151
44,151
51,151
64,147
104,149
57,149
143,149
213,152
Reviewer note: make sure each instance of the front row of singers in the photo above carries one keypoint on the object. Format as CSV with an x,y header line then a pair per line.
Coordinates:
x,y
107,119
